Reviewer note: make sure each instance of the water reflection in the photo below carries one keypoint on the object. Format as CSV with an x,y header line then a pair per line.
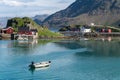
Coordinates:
x,y
69,44
99,48
106,48
22,43
32,70
84,54
32,42
93,48
31,47
81,61
107,39
23,47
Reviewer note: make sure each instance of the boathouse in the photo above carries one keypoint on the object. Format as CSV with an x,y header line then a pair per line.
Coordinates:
x,y
27,33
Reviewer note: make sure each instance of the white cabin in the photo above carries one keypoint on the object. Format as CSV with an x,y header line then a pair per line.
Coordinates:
x,y
85,29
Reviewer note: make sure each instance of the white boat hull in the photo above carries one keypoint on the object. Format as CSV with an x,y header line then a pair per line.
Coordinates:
x,y
40,65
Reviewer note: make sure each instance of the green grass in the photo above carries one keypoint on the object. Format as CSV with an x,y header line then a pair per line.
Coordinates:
x,y
20,22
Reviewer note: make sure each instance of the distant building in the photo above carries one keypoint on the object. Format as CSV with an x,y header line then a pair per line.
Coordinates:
x,y
85,29
92,24
103,30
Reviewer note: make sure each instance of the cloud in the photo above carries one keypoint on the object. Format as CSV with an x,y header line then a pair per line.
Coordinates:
x,y
17,3
31,7
12,3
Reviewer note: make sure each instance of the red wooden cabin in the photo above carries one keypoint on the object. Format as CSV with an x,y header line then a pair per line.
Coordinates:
x,y
8,30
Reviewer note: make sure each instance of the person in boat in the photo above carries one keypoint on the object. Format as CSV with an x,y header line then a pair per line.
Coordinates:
x,y
32,65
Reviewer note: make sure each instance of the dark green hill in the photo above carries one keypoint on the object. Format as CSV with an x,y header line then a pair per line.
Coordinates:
x,y
20,22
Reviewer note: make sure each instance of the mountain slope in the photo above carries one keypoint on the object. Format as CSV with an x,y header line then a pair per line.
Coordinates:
x,y
39,18
101,12
3,21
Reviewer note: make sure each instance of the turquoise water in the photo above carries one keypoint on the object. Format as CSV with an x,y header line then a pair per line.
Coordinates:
x,y
71,60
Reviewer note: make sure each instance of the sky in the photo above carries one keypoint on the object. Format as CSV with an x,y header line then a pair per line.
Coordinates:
x,y
30,8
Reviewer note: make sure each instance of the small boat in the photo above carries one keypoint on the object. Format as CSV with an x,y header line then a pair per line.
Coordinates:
x,y
40,65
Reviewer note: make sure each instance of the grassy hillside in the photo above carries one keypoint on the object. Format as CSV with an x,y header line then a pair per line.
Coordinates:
x,y
20,22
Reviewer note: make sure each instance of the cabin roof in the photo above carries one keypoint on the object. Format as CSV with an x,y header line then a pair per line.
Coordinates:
x,y
7,28
23,28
